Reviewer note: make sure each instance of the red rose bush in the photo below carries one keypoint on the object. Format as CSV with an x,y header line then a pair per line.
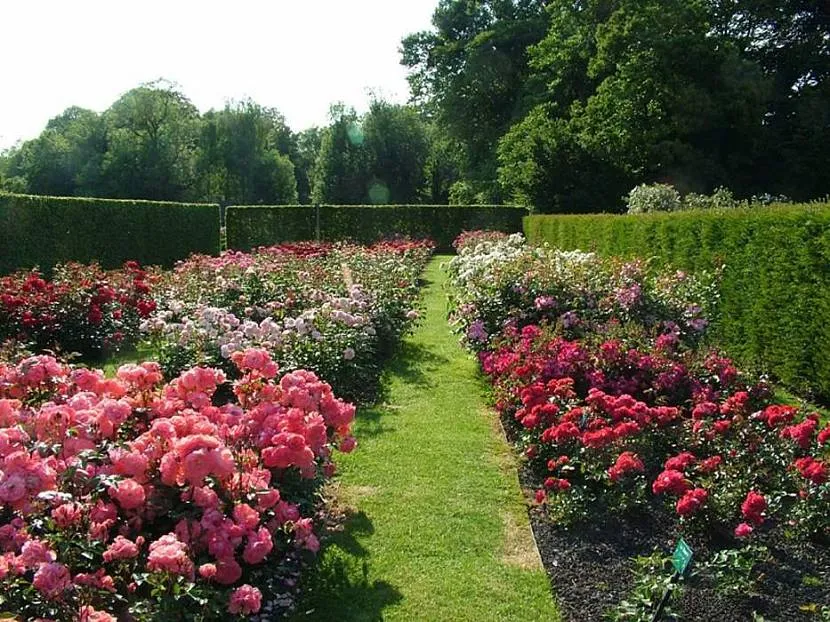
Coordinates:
x,y
628,412
80,309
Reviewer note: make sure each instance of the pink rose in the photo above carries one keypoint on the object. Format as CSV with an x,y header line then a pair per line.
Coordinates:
x,y
245,600
258,546
743,530
88,614
51,579
121,548
129,494
169,554
67,514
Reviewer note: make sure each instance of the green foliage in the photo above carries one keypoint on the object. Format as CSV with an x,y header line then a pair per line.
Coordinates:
x,y
470,72
775,292
65,159
42,231
151,140
653,198
397,141
379,158
570,104
251,226
652,578
240,158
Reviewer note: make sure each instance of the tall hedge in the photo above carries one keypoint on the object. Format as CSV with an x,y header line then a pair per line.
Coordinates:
x,y
250,226
42,231
775,293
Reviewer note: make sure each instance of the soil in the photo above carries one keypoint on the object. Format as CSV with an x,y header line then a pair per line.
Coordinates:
x,y
591,570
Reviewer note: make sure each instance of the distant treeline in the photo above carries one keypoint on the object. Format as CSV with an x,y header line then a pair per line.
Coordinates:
x,y
567,105
560,105
153,144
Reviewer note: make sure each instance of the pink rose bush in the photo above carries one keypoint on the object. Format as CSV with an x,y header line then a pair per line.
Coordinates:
x,y
181,500
619,410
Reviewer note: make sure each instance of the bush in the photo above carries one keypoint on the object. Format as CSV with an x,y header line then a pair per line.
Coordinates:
x,y
653,198
251,226
336,310
152,501
775,291
44,231
722,198
623,416
81,309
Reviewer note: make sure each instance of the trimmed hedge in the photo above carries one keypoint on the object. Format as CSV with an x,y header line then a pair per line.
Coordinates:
x,y
775,293
42,231
251,226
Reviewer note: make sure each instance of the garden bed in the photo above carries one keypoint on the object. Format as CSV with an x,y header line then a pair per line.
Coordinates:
x,y
185,488
591,569
636,432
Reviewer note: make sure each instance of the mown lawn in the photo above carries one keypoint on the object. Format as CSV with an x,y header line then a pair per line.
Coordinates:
x,y
435,526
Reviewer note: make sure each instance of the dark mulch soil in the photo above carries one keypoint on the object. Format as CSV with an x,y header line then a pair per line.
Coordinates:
x,y
590,569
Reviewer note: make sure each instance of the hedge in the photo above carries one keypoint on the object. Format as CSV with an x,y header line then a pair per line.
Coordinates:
x,y
250,226
42,231
775,294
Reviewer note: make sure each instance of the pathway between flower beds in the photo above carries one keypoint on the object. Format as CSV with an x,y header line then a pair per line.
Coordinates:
x,y
434,526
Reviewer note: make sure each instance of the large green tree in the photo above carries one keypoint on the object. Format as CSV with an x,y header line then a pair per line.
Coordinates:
x,y
243,156
66,158
601,94
341,173
470,71
379,157
152,140
396,138
308,148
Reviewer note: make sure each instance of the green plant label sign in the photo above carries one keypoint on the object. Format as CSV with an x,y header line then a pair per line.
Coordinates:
x,y
682,557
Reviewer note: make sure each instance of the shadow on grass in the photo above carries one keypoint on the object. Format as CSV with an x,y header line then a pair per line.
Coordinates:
x,y
412,362
338,587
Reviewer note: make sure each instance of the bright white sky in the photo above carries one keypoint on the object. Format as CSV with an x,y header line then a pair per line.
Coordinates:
x,y
298,56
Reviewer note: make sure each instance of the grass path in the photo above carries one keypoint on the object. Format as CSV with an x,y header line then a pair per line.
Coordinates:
x,y
435,524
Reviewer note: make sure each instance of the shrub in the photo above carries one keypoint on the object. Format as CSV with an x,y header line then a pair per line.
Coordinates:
x,y
721,199
159,502
44,231
82,309
621,419
775,290
647,198
333,309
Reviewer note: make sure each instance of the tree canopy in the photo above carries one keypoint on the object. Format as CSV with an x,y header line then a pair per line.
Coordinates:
x,y
565,105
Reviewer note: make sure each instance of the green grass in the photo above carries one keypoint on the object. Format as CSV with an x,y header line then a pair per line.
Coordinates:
x,y
435,523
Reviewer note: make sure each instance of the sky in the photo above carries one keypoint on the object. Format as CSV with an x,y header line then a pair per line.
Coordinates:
x,y
298,56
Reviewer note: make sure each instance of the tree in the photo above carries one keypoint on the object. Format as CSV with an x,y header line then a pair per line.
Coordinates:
x,y
574,101
66,158
308,147
396,139
341,173
152,135
240,160
470,72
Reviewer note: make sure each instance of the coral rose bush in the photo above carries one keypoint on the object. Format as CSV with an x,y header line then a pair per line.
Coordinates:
x,y
164,501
